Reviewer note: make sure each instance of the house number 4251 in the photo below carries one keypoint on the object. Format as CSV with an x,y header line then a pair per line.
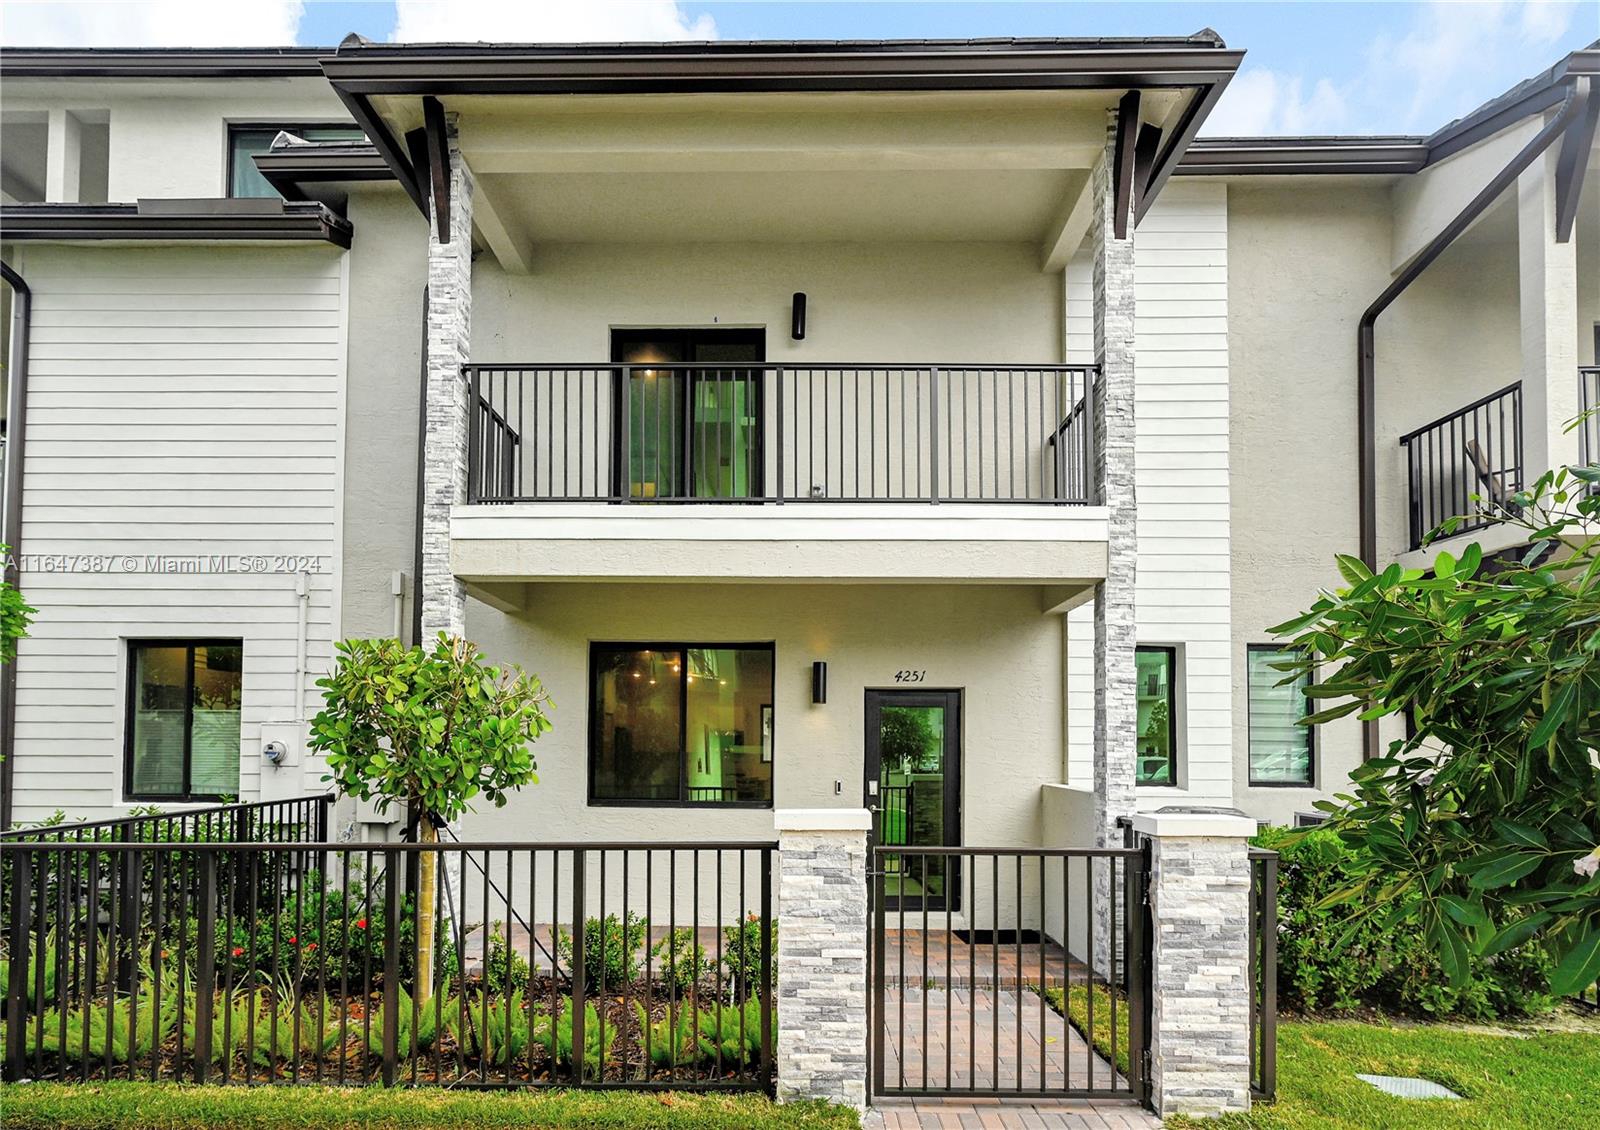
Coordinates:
x,y
910,676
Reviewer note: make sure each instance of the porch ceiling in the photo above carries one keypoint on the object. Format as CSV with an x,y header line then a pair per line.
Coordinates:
x,y
858,166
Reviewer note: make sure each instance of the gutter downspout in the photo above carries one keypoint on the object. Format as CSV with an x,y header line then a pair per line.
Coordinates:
x,y
11,534
1366,341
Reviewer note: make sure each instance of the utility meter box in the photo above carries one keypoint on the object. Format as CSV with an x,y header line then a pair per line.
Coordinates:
x,y
283,755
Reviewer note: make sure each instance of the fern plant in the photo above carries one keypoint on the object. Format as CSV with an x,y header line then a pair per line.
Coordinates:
x,y
670,1041
411,1037
554,1034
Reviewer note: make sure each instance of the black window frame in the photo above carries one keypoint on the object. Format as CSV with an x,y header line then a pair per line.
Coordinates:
x,y
234,127
1311,731
131,709
597,647
1172,718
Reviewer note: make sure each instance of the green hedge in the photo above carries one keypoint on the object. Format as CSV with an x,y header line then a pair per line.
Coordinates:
x,y
1390,970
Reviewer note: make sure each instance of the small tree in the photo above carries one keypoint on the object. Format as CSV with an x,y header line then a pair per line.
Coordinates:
x,y
1485,823
432,730
15,616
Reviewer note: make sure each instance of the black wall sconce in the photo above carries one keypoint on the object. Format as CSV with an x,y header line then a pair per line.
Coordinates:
x,y
797,317
819,682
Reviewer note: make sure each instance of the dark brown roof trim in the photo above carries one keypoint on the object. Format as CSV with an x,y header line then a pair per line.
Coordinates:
x,y
369,69
166,220
1235,156
73,62
288,169
1533,96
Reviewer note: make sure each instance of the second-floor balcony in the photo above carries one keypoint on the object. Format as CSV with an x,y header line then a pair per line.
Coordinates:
x,y
738,472
781,434
1467,465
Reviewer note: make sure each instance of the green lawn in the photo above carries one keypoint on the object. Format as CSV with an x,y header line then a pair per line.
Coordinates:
x,y
166,1106
1531,1076
1545,1080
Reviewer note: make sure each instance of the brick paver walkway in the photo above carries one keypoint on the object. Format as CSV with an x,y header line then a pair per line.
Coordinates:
x,y
986,1039
1007,1114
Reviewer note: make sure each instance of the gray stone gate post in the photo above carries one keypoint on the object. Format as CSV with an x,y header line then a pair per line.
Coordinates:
x,y
822,954
1199,962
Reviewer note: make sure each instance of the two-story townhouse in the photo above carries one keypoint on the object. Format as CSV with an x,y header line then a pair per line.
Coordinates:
x,y
825,423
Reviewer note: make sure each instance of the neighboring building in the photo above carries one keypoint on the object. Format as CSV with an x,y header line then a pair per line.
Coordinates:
x,y
777,356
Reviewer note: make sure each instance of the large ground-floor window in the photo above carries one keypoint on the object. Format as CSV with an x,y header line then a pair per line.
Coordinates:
x,y
680,723
183,719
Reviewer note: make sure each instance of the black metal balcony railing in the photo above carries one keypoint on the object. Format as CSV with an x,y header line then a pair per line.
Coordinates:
x,y
1467,464
1589,406
754,433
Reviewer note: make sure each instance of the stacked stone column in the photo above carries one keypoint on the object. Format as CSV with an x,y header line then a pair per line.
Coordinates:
x,y
1200,962
1115,633
444,464
822,954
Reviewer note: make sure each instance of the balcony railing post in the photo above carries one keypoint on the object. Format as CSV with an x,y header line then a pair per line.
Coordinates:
x,y
777,380
474,435
933,433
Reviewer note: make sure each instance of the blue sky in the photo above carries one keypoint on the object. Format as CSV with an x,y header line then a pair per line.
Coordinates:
x,y
1311,67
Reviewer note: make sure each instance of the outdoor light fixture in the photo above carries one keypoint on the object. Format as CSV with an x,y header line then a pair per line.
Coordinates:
x,y
797,327
819,682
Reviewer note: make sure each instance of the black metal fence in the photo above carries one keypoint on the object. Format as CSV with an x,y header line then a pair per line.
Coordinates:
x,y
1467,464
594,965
781,433
1021,972
1263,974
298,820
1589,406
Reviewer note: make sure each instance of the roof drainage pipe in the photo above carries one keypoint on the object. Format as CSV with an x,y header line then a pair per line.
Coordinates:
x,y
1366,350
11,514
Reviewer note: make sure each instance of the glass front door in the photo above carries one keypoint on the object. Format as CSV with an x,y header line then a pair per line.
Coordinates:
x,y
693,426
913,788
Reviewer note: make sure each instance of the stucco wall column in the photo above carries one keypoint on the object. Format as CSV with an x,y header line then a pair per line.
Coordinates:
x,y
822,954
1200,962
1115,633
444,597
1548,294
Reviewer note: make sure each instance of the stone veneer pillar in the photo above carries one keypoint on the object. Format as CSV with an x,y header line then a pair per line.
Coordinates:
x,y
444,465
822,954
1200,961
1115,633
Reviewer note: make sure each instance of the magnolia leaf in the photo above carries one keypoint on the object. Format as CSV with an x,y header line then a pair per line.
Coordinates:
x,y
1580,968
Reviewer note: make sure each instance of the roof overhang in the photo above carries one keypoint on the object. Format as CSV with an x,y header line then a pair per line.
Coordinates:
x,y
175,220
163,62
384,85
321,171
1236,156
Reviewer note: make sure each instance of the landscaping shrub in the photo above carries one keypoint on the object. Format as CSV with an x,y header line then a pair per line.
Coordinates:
x,y
679,961
611,946
741,956
1394,970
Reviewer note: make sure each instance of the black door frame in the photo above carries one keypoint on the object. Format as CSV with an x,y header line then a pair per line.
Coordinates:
x,y
687,338
872,771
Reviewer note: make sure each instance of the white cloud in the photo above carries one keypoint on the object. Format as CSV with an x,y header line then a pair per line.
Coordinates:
x,y
1452,56
1259,102
546,21
150,23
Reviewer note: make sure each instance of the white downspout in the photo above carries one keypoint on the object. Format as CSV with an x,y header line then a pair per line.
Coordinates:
x,y
302,589
397,588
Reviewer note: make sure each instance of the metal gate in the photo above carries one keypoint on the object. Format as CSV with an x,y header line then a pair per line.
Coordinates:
x,y
1018,972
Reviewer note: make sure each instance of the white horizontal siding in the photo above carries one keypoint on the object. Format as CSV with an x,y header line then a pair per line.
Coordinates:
x,y
1181,448
183,402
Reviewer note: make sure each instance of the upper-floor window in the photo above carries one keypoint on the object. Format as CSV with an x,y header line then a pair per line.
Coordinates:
x,y
674,723
244,142
1158,712
183,719
1282,752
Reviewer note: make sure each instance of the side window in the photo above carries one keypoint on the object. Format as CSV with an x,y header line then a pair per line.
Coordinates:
x,y
244,142
183,719
1158,716
1281,751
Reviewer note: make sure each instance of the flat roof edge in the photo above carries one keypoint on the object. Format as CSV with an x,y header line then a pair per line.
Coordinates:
x,y
174,220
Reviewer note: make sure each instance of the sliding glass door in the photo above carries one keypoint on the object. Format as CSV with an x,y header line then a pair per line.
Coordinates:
x,y
692,427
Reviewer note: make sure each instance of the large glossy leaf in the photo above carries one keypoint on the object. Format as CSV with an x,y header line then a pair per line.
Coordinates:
x,y
1580,968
